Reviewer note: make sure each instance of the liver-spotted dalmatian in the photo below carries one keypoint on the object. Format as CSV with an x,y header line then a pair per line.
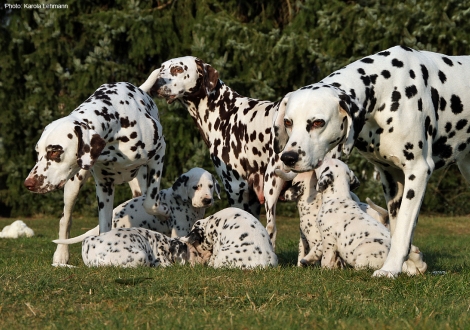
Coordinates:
x,y
236,129
406,111
112,135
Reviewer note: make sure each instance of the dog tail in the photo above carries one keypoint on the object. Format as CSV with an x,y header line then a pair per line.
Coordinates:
x,y
381,211
92,232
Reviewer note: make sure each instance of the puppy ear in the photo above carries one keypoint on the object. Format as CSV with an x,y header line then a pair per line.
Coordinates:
x,y
195,236
325,180
348,126
216,186
280,133
353,181
180,188
90,146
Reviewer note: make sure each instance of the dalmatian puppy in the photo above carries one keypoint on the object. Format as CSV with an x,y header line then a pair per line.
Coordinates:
x,y
346,230
115,135
406,111
309,202
236,129
133,247
180,206
232,238
303,191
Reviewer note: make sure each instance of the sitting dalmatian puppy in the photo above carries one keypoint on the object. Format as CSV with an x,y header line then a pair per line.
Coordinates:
x,y
180,206
356,237
232,238
133,247
303,191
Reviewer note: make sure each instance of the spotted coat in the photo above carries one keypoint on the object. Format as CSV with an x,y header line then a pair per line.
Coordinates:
x,y
236,129
233,238
133,247
405,110
113,135
180,206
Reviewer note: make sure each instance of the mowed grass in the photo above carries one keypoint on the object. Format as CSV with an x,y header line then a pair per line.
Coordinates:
x,y
36,295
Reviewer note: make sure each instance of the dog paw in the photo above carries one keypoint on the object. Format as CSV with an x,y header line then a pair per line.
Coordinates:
x,y
384,273
63,265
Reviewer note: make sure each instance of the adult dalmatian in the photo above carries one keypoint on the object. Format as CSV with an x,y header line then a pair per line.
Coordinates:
x,y
236,129
406,111
116,136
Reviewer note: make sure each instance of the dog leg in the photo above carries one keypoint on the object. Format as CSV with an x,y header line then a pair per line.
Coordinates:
x,y
71,190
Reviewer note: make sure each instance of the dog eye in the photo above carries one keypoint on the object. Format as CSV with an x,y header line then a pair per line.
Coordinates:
x,y
54,155
318,123
175,70
287,123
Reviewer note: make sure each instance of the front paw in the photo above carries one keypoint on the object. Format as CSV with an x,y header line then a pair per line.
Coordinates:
x,y
61,255
384,273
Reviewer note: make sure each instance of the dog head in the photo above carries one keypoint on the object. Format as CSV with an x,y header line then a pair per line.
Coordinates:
x,y
310,123
197,185
181,77
65,147
335,175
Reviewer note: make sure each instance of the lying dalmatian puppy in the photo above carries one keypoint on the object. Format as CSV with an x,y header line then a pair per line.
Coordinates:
x,y
236,129
111,135
180,206
232,238
346,230
133,247
309,201
406,111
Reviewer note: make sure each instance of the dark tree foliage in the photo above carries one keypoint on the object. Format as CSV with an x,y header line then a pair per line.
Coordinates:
x,y
51,60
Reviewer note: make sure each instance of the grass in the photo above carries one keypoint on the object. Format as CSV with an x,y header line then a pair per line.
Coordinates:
x,y
36,295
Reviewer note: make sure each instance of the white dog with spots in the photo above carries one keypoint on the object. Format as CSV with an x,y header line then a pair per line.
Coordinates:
x,y
232,238
133,247
405,110
111,135
180,206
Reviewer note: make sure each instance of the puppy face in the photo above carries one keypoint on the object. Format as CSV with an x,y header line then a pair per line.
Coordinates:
x,y
63,148
197,186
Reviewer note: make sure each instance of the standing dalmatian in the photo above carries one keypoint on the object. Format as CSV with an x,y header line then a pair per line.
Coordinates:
x,y
406,111
236,129
113,135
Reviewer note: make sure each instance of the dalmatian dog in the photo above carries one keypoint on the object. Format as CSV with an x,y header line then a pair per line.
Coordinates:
x,y
303,191
232,238
309,203
116,136
181,205
403,109
133,247
236,129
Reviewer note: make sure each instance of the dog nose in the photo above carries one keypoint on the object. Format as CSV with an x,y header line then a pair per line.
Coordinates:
x,y
29,183
207,201
290,158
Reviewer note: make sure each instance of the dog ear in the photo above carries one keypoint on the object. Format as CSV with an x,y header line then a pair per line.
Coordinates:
x,y
353,181
149,85
325,180
195,236
180,188
90,146
210,76
348,140
216,186
280,133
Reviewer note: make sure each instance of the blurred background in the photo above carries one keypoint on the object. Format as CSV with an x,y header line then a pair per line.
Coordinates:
x,y
51,60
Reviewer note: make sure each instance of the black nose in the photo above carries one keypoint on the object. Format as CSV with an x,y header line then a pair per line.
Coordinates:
x,y
206,201
290,158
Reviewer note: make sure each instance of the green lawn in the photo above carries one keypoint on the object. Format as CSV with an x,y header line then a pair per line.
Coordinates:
x,y
38,296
